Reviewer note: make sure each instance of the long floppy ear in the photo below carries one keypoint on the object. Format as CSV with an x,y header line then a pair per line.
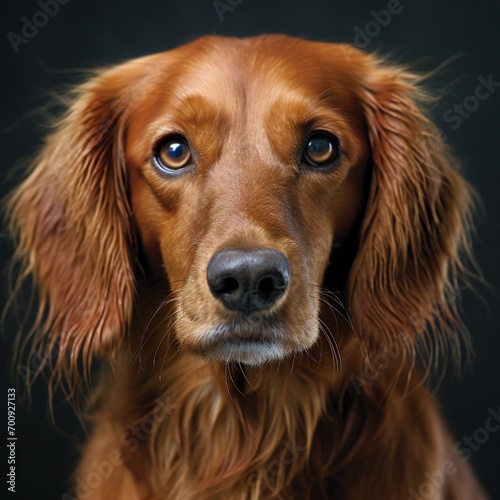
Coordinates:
x,y
403,283
73,223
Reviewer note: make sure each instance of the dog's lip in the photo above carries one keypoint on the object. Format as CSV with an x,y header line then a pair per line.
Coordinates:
x,y
249,346
248,333
247,352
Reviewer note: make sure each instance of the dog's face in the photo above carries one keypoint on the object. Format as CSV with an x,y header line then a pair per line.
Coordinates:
x,y
237,164
247,161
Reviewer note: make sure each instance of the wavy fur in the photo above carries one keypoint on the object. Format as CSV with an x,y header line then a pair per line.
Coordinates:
x,y
116,252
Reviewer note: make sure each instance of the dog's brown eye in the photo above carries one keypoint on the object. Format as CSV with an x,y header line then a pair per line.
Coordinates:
x,y
321,150
174,154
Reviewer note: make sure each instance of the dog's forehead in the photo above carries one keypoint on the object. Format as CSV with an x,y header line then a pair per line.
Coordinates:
x,y
248,89
263,68
247,80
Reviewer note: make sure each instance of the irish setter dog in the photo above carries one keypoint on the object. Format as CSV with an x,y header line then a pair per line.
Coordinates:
x,y
261,239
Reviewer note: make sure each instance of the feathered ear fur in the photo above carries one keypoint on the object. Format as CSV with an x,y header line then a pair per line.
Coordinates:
x,y
73,223
403,283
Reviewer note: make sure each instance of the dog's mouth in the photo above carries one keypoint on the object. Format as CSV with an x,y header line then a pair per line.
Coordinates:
x,y
248,346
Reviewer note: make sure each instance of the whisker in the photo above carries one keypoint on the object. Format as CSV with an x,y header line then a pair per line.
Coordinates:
x,y
241,368
292,364
163,303
234,383
326,294
162,339
310,355
170,345
226,370
334,348
143,341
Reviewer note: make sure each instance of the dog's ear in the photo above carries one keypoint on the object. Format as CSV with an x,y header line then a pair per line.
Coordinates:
x,y
403,282
73,222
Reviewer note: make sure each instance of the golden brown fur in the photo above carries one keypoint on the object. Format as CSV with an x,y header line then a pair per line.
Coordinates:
x,y
119,254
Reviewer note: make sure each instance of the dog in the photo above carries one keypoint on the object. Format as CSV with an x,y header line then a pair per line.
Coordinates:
x,y
260,239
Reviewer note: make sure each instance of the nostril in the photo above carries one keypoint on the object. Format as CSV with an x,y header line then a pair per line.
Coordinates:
x,y
266,286
270,284
226,286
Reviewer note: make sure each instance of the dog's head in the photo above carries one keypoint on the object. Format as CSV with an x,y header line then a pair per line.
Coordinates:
x,y
236,166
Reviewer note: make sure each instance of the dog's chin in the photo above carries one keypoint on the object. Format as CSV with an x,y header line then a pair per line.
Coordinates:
x,y
252,347
251,353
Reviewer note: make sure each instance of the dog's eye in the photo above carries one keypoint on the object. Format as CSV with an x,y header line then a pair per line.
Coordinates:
x,y
173,154
321,150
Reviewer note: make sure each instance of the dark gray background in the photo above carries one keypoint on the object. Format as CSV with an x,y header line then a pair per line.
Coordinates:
x,y
84,34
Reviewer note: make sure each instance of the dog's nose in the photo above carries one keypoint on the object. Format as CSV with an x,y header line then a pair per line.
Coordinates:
x,y
248,280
